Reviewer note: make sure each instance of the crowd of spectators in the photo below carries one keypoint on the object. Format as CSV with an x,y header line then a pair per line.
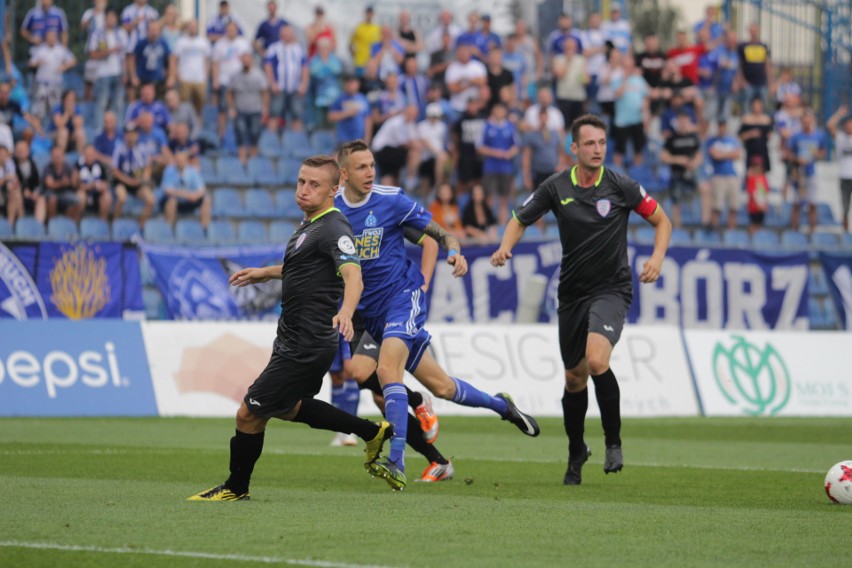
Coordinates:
x,y
457,114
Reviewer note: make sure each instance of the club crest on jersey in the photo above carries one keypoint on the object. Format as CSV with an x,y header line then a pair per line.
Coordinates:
x,y
371,220
301,239
603,206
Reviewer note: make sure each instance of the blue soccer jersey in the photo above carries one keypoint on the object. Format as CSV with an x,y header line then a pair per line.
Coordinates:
x,y
379,224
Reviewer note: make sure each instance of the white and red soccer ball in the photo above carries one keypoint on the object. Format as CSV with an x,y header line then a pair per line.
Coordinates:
x,y
838,483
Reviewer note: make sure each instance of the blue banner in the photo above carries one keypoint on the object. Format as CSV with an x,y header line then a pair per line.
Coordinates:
x,y
194,281
64,368
838,272
698,288
74,281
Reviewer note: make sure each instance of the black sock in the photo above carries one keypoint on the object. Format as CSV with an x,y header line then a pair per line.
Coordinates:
x,y
574,406
414,437
609,402
323,416
245,451
415,399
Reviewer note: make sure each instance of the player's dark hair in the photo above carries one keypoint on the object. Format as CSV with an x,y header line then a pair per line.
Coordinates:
x,y
586,120
350,148
323,161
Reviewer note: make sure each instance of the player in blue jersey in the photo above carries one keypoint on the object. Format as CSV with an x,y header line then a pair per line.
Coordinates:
x,y
393,304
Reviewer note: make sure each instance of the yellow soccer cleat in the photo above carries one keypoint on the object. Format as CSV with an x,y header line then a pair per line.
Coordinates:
x,y
219,493
374,446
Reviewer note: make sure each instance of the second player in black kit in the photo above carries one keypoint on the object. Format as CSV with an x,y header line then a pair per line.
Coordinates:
x,y
591,205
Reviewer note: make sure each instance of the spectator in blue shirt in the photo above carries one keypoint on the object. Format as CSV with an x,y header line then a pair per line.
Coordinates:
x,y
154,144
711,23
184,191
269,29
325,69
148,103
724,149
106,141
351,113
153,62
632,112
472,37
132,174
806,147
67,123
668,118
388,54
489,38
42,19
498,146
727,64
218,22
555,44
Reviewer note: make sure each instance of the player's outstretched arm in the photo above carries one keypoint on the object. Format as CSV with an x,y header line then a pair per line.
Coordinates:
x,y
428,260
513,234
248,276
352,288
662,235
450,244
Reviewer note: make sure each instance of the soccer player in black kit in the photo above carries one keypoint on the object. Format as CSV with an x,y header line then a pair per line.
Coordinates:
x,y
320,264
591,205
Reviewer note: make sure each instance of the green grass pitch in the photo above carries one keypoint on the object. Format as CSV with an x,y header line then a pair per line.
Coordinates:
x,y
694,492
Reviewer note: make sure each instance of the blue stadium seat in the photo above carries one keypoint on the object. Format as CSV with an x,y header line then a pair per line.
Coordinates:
x,y
227,203
221,232
231,171
5,229
680,237
825,241
822,314
794,239
285,204
263,171
735,238
158,231
825,216
296,144
125,229
817,285
742,217
209,115
645,176
251,231
765,239
280,231
208,171
87,109
94,228
288,171
259,204
706,238
778,218
74,80
133,206
269,145
644,235
323,142
189,231
29,228
533,233
228,144
846,241
62,229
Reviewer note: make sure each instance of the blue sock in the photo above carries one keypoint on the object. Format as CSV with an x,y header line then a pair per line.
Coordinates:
x,y
396,411
338,396
468,395
352,396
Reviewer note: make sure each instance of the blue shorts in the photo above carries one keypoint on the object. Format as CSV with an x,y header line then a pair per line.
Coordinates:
x,y
344,353
404,318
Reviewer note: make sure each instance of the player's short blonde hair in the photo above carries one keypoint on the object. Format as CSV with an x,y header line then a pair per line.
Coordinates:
x,y
327,162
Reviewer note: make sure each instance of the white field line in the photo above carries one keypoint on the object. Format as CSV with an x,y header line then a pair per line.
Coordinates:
x,y
473,458
182,554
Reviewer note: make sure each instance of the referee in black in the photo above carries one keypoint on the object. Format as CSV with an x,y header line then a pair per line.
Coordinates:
x,y
320,264
591,205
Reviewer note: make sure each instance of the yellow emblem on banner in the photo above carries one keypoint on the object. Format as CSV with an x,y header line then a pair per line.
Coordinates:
x,y
79,283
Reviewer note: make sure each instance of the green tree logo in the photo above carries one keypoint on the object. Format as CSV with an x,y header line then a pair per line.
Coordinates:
x,y
755,380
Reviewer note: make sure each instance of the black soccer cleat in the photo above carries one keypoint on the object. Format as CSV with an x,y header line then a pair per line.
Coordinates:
x,y
614,461
574,473
524,422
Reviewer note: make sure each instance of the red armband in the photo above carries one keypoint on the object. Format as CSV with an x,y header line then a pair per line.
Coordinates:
x,y
646,207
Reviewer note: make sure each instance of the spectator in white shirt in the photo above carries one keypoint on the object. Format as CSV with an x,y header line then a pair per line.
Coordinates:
x,y
193,64
433,137
617,30
50,60
555,119
106,49
135,19
286,67
397,145
465,78
434,40
93,20
227,60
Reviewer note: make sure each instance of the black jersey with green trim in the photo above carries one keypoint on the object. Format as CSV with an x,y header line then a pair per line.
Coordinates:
x,y
311,285
592,228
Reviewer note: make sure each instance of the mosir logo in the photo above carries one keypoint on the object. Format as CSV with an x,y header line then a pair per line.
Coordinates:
x,y
59,370
754,379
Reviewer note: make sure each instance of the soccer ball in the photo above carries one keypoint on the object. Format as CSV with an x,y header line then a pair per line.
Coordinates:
x,y
838,483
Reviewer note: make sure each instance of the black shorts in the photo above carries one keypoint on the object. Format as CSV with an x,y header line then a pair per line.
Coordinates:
x,y
285,381
368,347
602,313
391,159
757,217
635,133
470,168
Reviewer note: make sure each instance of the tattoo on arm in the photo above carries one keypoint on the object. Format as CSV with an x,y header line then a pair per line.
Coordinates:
x,y
446,240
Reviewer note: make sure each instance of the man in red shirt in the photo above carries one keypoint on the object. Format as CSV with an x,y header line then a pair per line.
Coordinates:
x,y
686,56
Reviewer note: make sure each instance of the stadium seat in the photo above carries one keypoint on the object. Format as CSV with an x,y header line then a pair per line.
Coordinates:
x,y
822,314
94,228
133,206
231,171
825,216
778,218
251,231
158,231
765,239
74,81
794,239
285,204
221,232
87,109
825,241
189,231
29,228
263,171
680,237
288,171
846,241
269,145
323,142
296,144
62,229
706,238
125,229
259,204
208,171
5,229
644,176
735,238
281,231
227,203
209,115
644,235
817,285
